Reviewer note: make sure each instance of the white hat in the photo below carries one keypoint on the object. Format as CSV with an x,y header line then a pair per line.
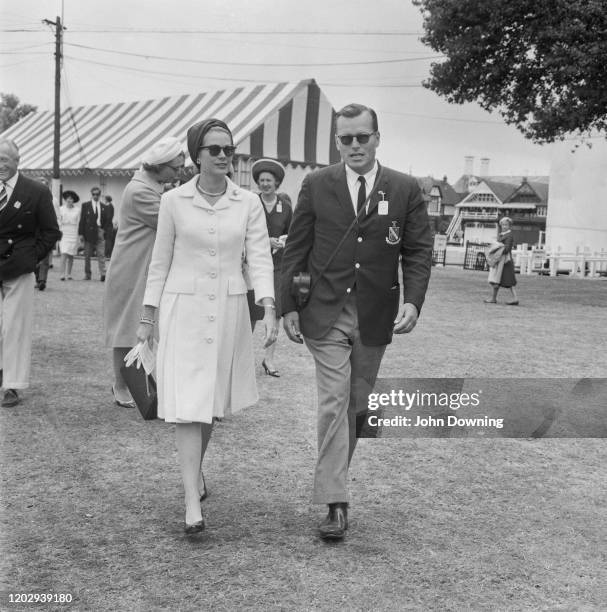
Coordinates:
x,y
161,152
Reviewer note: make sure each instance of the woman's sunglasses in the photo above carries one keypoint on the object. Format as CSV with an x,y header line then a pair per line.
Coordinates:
x,y
347,139
214,150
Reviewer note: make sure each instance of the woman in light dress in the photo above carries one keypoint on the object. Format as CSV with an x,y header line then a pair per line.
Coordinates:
x,y
69,217
196,294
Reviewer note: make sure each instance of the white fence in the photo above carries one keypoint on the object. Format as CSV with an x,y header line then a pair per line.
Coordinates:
x,y
582,262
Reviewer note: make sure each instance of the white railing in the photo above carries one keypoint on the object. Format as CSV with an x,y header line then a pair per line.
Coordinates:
x,y
582,262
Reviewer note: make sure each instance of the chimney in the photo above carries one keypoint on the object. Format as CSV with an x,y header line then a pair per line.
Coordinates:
x,y
469,162
485,166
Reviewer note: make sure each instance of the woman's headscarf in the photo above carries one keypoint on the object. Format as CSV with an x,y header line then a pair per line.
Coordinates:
x,y
196,135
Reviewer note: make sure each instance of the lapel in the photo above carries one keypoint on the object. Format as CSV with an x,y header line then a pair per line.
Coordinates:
x,y
341,189
381,184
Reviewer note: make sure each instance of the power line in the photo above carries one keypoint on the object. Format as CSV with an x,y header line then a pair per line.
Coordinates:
x,y
230,79
239,32
196,61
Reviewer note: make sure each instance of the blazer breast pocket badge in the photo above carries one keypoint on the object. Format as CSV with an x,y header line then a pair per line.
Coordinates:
x,y
393,236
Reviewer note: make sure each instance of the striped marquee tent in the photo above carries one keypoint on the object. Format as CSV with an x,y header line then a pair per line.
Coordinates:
x,y
291,122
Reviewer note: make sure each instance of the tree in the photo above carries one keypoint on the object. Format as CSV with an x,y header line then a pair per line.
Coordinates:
x,y
541,63
11,110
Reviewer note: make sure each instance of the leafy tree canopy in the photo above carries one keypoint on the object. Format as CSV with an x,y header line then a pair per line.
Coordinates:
x,y
11,110
541,63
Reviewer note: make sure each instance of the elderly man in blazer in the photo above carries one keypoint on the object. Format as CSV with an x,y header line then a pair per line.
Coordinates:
x,y
28,231
95,226
353,308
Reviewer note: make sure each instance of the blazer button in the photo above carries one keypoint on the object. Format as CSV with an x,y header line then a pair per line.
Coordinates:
x,y
19,226
212,251
209,340
211,230
348,290
211,212
10,241
357,265
211,317
212,296
213,274
360,239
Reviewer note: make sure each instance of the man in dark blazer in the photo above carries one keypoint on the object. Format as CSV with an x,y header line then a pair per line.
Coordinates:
x,y
353,309
95,225
28,231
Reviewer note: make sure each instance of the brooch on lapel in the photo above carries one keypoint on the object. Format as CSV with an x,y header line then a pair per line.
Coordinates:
x,y
393,236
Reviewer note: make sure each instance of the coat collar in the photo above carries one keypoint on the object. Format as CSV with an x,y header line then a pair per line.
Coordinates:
x,y
143,177
234,193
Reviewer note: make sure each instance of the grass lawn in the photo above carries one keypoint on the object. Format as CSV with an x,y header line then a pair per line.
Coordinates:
x,y
92,500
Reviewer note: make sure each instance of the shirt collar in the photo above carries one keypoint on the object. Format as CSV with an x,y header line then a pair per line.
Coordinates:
x,y
12,181
352,177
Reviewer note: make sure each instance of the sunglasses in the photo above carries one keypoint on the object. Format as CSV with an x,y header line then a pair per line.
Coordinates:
x,y
214,150
347,139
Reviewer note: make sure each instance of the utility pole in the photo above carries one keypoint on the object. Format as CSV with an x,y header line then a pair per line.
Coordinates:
x,y
56,184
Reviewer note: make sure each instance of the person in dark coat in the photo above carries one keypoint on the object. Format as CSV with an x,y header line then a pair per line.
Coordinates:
x,y
353,308
502,273
95,225
28,232
269,174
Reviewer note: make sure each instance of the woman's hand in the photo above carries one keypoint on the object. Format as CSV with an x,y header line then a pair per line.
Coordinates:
x,y
276,244
145,333
271,327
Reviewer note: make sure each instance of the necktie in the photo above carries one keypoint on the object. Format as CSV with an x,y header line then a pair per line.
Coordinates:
x,y
362,193
3,196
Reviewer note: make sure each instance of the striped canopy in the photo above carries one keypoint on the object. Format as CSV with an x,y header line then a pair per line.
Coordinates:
x,y
291,122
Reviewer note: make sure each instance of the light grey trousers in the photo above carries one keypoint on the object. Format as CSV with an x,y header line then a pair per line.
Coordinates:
x,y
346,371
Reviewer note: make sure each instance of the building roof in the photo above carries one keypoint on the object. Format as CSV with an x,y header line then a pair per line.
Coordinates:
x,y
449,196
291,122
522,195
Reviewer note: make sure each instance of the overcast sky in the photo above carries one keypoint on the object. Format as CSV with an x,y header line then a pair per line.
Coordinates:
x,y
366,52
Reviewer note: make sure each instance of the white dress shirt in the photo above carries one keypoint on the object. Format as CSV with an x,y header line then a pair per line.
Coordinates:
x,y
354,184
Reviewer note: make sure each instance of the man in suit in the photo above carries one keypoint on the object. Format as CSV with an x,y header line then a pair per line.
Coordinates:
x,y
353,308
28,231
95,225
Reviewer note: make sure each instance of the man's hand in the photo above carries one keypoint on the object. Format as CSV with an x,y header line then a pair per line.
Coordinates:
x,y
406,319
291,325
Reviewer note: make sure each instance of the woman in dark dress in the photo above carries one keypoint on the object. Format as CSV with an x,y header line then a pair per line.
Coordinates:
x,y
507,278
269,174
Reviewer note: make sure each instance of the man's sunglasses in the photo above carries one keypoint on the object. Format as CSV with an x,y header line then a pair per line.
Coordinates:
x,y
347,139
214,150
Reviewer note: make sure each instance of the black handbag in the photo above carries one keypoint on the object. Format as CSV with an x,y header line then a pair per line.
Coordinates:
x,y
301,283
143,390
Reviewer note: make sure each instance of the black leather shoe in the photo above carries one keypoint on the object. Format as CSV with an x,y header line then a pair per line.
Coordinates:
x,y
41,285
335,524
11,398
102,278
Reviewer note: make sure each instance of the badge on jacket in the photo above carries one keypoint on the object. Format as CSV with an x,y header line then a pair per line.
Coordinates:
x,y
393,236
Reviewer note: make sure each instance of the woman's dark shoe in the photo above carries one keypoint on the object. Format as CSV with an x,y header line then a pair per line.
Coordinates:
x,y
269,372
513,303
194,528
127,404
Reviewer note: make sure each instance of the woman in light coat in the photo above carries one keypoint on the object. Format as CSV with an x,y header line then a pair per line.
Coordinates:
x,y
132,252
205,365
